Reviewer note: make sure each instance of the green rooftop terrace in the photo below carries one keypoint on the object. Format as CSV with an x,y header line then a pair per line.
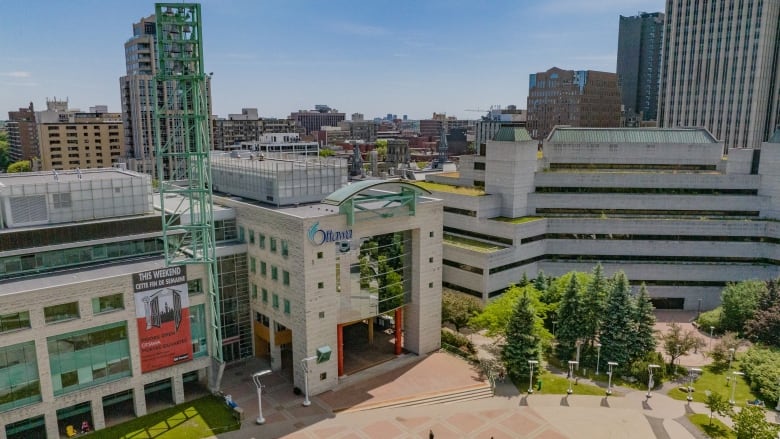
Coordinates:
x,y
439,187
518,220
471,244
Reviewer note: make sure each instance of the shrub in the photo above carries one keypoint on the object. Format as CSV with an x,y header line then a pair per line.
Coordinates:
x,y
762,370
458,341
710,318
639,369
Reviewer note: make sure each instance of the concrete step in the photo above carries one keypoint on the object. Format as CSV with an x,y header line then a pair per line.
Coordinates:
x,y
479,391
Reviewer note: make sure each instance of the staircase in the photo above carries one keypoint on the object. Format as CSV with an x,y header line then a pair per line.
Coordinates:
x,y
470,393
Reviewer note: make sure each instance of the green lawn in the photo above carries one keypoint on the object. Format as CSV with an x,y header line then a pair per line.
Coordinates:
x,y
717,430
518,220
200,418
471,244
557,385
439,187
715,381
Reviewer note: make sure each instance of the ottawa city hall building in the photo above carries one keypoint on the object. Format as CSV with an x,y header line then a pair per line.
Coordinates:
x,y
94,327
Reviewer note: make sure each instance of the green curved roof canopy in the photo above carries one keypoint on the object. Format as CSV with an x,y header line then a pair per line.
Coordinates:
x,y
392,197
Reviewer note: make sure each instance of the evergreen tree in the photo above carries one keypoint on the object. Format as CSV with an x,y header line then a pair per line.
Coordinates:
x,y
522,340
593,305
615,335
644,319
570,320
523,280
540,283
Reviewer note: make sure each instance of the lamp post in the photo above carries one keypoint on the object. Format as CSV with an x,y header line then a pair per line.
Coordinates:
x,y
650,382
712,328
554,322
578,343
531,363
572,364
734,385
610,364
691,374
305,365
598,357
731,356
256,378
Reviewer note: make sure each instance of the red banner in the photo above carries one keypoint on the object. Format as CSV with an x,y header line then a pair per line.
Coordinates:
x,y
163,317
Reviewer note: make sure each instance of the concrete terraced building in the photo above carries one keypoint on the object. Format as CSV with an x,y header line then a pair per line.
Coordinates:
x,y
663,205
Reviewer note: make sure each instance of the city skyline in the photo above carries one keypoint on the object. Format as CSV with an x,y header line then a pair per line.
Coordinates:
x,y
413,59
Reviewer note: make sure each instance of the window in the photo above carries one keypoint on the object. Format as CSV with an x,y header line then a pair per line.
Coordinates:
x,y
102,304
286,306
430,234
261,240
252,264
254,292
285,249
19,381
262,269
275,303
265,296
89,357
241,237
285,277
273,245
58,313
320,285
322,314
194,287
274,273
251,236
319,255
12,322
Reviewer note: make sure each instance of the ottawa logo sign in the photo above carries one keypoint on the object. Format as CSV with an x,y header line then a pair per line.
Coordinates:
x,y
319,237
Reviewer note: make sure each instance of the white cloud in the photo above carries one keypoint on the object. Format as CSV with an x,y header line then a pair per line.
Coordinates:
x,y
16,74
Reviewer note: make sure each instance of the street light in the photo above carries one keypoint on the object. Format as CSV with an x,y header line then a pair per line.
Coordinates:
x,y
734,385
531,363
305,365
571,375
712,328
598,356
731,356
611,364
691,374
650,382
256,378
578,343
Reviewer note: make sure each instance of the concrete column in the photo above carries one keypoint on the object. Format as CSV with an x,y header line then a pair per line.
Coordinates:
x,y
178,389
98,416
52,429
399,328
275,351
340,348
371,330
139,400
2,433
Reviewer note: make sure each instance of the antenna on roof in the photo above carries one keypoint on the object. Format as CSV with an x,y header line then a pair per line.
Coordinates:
x,y
56,175
78,171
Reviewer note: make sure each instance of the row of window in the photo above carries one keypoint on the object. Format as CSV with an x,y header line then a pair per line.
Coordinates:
x,y
274,299
273,243
264,270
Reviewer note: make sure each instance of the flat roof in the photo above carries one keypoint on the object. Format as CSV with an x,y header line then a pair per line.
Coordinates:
x,y
25,178
630,135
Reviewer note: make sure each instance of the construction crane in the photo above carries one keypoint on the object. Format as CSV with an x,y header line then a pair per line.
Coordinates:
x,y
182,145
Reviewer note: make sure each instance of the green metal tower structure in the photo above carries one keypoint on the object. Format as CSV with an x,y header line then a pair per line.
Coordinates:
x,y
182,144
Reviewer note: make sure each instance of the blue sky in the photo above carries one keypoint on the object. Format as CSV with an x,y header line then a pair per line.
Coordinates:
x,y
402,57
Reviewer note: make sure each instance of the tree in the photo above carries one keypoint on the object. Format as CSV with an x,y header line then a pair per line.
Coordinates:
x,y
540,282
765,326
325,152
615,333
496,315
5,159
644,332
717,404
570,320
750,423
20,166
720,351
522,341
740,301
458,309
677,342
594,302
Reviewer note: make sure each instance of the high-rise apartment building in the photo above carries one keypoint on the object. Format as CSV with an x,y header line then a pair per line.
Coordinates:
x,y
720,69
22,136
639,64
581,98
137,96
79,140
